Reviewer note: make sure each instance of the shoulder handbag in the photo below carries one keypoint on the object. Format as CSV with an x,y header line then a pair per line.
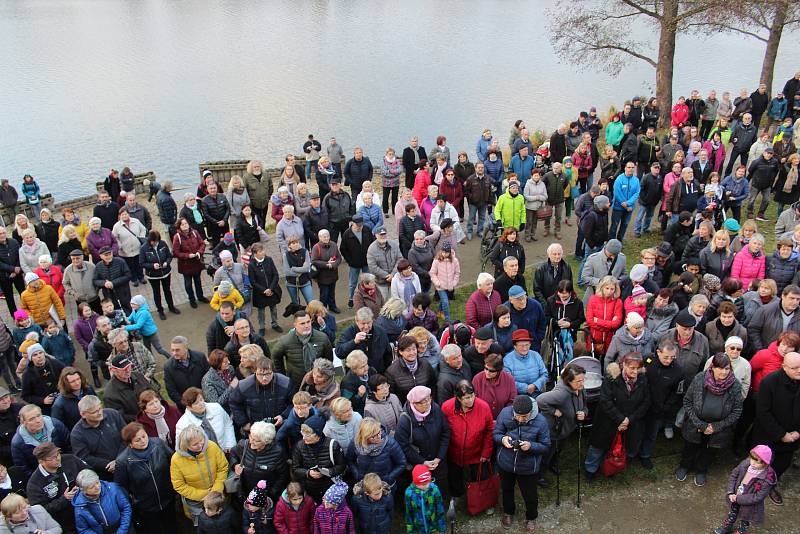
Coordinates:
x,y
617,458
482,494
141,239
410,467
246,291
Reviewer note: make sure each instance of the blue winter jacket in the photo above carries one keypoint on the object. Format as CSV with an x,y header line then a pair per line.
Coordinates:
x,y
482,148
526,370
372,515
626,189
777,108
112,509
739,189
60,347
372,215
22,444
530,319
388,464
534,431
523,168
289,432
329,329
496,171
142,320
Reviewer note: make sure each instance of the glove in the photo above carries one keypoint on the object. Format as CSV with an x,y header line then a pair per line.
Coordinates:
x,y
522,227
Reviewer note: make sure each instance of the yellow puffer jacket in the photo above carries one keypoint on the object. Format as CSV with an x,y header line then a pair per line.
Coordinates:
x,y
193,476
37,302
82,230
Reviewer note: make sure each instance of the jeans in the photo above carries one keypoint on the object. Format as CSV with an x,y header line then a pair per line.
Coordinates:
x,y
198,286
327,294
308,294
444,303
643,219
751,201
652,426
480,212
262,316
159,284
309,164
155,342
594,457
619,224
579,241
354,274
528,486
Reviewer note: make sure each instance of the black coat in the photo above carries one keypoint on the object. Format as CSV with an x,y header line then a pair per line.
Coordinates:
x,y
36,386
503,250
178,378
357,172
98,446
663,382
376,346
402,380
252,402
617,403
318,454
423,440
119,274
777,411
594,226
9,420
264,275
354,251
270,464
9,258
108,214
407,228
573,312
49,231
246,233
408,163
701,175
215,208
546,279
188,214
149,255
313,222
503,283
763,172
48,491
147,481
651,191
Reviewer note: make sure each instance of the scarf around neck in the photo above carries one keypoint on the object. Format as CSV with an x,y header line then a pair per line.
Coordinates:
x,y
161,425
308,351
420,416
716,387
791,179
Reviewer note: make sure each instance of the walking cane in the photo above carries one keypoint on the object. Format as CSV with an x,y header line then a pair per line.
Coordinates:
x,y
580,432
558,478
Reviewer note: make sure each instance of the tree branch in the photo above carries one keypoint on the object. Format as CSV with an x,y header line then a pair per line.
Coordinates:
x,y
619,48
727,27
641,9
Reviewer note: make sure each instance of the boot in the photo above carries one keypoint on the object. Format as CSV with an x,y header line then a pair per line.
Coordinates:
x,y
727,526
96,378
174,310
546,232
744,527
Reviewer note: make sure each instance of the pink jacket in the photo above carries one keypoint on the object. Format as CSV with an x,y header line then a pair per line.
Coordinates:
x,y
669,179
719,157
445,274
680,114
747,268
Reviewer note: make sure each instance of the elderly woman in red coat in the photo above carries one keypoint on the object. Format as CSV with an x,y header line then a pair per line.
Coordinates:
x,y
604,313
188,246
471,427
453,191
157,416
481,304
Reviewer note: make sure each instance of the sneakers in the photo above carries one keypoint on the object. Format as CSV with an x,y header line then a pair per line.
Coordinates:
x,y
350,304
506,521
669,432
761,218
647,463
681,474
700,480
276,327
175,310
776,497
530,526
162,315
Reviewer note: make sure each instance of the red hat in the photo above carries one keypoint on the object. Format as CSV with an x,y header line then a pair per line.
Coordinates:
x,y
420,475
520,335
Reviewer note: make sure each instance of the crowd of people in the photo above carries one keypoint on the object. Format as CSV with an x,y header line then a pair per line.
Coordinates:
x,y
701,335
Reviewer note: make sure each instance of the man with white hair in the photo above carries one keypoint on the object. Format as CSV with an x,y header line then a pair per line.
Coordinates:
x,y
326,258
558,144
451,372
634,337
367,337
382,257
289,225
96,437
550,272
33,430
510,277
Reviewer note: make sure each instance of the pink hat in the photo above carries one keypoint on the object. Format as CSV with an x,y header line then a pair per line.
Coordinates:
x,y
763,452
637,291
21,315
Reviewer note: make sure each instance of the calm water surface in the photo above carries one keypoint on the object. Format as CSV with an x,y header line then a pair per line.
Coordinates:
x,y
162,85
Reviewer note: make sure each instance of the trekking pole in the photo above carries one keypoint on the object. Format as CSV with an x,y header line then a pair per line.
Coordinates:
x,y
558,478
580,432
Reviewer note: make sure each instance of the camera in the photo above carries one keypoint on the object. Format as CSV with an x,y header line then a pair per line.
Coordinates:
x,y
269,420
515,444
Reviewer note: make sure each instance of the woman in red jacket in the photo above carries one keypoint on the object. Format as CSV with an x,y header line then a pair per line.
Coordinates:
x,y
680,113
471,427
582,160
771,359
157,416
453,191
188,246
494,385
604,313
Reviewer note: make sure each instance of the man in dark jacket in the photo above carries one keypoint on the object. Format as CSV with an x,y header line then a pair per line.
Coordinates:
x,y
760,100
263,395
35,429
594,226
743,136
583,205
778,416
96,437
762,175
527,314
509,277
696,107
315,219
106,210
219,332
365,336
664,379
452,370
167,208
650,195
550,272
52,485
408,226
112,275
558,144
484,344
11,274
702,168
8,195
9,419
412,156
355,242
357,170
184,370
341,208
122,391
778,316
478,192
40,378
679,233
215,210
648,151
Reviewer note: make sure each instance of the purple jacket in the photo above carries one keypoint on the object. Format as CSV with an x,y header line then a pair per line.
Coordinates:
x,y
428,321
95,241
425,211
751,501
84,330
334,521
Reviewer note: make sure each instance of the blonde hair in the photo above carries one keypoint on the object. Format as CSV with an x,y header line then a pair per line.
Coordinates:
x,y
419,333
367,428
372,483
393,308
235,178
294,490
323,160
316,308
67,230
607,280
750,224
770,283
356,359
189,434
712,245
301,397
11,504
341,405
28,232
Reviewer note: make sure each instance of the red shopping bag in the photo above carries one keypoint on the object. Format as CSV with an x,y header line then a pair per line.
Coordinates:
x,y
482,494
617,459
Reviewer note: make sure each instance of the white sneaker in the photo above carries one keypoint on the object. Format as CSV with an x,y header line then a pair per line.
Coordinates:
x,y
669,433
490,511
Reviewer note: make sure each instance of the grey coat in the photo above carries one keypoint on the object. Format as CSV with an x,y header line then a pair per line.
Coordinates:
x,y
693,426
622,343
767,324
716,343
382,261
38,519
78,284
596,267
692,357
564,399
659,320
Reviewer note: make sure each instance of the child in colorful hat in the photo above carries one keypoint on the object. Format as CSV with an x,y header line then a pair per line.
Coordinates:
x,y
748,487
424,506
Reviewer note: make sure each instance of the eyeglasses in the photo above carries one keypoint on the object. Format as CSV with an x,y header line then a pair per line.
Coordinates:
x,y
264,373
737,349
490,370
423,402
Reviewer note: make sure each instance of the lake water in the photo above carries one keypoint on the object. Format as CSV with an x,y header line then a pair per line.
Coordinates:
x,y
163,85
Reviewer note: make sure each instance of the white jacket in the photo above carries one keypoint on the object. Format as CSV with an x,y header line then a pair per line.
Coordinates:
x,y
535,195
449,212
128,237
398,287
219,420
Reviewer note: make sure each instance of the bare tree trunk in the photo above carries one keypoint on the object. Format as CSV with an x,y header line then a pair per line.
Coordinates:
x,y
666,59
774,41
